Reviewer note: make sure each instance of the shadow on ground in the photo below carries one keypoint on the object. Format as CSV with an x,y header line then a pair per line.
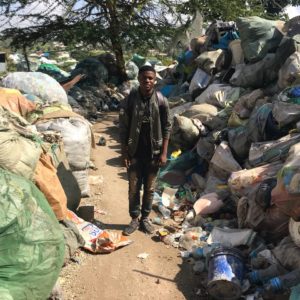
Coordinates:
x,y
186,281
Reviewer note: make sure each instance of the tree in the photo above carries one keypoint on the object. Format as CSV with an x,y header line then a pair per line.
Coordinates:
x,y
111,23
231,9
116,24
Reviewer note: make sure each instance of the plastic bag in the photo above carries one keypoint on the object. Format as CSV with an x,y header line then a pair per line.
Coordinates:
x,y
208,204
203,112
224,160
267,152
219,95
287,109
210,60
184,132
200,80
32,243
244,180
96,239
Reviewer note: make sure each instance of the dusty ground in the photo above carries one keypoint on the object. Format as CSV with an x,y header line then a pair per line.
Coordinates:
x,y
121,275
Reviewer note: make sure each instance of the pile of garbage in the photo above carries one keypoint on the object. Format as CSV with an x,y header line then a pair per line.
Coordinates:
x,y
44,162
229,196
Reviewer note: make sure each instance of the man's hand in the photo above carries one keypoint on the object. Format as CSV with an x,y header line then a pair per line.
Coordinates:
x,y
126,161
162,160
125,156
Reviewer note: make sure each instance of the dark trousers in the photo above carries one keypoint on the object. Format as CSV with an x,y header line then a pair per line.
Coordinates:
x,y
141,172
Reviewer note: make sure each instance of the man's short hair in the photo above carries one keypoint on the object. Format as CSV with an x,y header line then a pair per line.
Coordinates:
x,y
146,68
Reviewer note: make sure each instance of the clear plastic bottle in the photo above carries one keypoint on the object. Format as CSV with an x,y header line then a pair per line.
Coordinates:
x,y
166,213
202,252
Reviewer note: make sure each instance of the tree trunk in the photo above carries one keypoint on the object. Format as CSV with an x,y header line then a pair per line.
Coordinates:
x,y
26,58
116,41
118,51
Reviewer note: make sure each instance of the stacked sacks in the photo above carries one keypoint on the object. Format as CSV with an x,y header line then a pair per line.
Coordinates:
x,y
77,138
75,131
247,168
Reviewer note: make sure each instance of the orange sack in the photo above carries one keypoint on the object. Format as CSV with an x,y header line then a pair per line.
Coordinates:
x,y
46,180
14,101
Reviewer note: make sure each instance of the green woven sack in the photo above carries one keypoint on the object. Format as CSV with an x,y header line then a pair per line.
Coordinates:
x,y
31,241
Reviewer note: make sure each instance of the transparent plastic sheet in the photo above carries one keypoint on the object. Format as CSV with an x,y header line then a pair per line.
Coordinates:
x,y
31,241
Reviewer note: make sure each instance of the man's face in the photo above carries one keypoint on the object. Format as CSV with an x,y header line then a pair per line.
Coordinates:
x,y
147,81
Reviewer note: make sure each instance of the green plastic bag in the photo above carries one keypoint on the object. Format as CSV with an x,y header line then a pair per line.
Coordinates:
x,y
31,241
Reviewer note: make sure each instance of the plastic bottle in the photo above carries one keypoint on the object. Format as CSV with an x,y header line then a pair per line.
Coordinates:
x,y
166,213
283,282
156,198
202,252
266,274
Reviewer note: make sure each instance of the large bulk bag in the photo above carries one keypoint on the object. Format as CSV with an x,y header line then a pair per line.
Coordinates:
x,y
210,60
289,71
18,154
185,132
286,110
37,84
76,136
94,70
31,241
259,36
256,75
286,194
220,95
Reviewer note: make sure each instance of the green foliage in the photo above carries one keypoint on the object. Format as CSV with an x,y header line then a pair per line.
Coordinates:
x,y
121,25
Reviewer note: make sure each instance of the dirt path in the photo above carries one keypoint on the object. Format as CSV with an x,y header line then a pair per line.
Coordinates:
x,y
121,275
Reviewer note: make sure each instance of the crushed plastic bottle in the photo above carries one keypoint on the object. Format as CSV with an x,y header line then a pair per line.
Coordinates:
x,y
166,213
156,198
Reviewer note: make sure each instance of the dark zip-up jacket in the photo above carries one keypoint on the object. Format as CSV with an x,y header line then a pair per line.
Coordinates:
x,y
130,121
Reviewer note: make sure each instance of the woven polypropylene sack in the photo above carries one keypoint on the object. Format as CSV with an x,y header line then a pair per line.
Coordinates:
x,y
31,241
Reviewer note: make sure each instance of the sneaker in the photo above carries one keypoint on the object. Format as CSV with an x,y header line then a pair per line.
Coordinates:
x,y
132,227
146,226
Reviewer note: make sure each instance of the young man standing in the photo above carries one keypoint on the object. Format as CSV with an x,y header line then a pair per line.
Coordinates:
x,y
144,133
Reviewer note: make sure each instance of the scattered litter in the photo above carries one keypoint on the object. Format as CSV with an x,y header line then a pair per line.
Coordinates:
x,y
143,255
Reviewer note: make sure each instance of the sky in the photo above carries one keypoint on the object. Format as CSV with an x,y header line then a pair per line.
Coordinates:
x,y
36,7
292,11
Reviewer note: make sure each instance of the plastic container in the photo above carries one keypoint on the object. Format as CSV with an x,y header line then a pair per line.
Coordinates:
x,y
225,273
